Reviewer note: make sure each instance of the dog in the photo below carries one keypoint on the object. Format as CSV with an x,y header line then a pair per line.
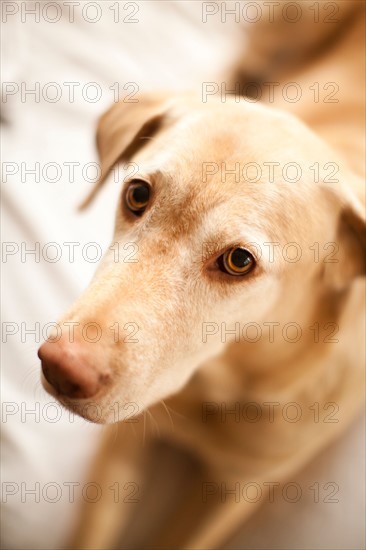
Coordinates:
x,y
246,221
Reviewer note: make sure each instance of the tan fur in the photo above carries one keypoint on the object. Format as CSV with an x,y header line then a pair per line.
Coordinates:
x,y
172,289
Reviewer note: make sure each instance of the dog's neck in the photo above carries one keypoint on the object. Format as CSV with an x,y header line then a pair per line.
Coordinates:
x,y
278,368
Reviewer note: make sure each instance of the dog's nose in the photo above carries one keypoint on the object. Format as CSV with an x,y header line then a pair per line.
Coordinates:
x,y
69,369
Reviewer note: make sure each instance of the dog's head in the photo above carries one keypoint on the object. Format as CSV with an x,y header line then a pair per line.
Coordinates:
x,y
227,219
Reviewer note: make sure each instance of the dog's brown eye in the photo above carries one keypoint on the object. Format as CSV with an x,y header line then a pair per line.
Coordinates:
x,y
236,261
137,197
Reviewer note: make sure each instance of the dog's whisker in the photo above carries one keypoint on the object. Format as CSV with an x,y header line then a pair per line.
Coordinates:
x,y
132,427
32,380
116,426
38,390
182,416
144,429
169,415
154,421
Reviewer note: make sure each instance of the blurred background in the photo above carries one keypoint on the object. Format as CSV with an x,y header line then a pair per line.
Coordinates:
x,y
63,64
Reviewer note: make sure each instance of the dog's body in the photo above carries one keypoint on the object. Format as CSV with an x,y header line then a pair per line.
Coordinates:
x,y
304,391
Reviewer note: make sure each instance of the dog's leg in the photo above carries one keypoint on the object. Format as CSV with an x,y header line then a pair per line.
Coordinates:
x,y
117,474
170,476
141,480
207,508
230,501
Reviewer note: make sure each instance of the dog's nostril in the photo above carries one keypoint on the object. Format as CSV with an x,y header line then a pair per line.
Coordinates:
x,y
47,373
71,371
73,390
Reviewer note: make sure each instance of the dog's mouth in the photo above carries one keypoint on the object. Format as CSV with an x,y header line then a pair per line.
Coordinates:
x,y
86,409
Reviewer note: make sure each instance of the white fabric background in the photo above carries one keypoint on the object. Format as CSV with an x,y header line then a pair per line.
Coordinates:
x,y
169,47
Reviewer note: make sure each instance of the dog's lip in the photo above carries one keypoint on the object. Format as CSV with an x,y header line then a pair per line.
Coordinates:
x,y
69,402
55,392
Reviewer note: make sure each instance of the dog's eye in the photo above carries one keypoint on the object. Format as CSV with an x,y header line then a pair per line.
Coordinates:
x,y
236,261
137,197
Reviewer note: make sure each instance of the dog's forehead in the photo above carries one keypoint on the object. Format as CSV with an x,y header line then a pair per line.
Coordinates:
x,y
234,129
212,134
228,143
216,163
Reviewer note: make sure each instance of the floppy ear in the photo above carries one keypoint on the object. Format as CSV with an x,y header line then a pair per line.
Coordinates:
x,y
349,258
124,129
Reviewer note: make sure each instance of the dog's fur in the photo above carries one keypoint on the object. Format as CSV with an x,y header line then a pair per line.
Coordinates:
x,y
174,288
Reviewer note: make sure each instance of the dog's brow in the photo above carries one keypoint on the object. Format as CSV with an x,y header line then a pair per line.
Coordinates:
x,y
156,175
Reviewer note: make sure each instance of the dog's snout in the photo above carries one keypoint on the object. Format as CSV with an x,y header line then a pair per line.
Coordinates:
x,y
70,370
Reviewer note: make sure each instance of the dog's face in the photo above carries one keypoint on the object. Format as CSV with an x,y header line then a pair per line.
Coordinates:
x,y
214,228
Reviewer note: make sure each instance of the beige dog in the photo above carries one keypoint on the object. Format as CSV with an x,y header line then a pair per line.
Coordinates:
x,y
244,310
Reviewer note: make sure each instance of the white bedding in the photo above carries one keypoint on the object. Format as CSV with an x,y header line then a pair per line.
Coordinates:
x,y
169,47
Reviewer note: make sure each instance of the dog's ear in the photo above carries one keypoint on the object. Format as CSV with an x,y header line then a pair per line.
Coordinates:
x,y
346,257
124,129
